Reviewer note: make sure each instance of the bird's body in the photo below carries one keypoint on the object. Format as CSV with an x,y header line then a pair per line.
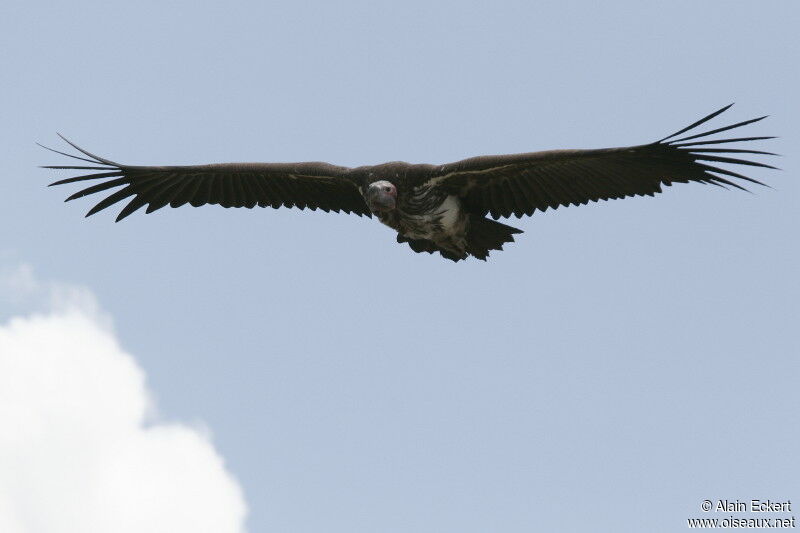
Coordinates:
x,y
422,212
432,216
433,208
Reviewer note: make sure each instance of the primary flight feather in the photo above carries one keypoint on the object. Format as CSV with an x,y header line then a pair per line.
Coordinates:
x,y
433,208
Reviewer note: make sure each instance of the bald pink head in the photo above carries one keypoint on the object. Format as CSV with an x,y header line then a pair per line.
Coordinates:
x,y
381,196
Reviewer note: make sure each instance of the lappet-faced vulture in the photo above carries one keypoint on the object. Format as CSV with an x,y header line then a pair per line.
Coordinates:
x,y
433,208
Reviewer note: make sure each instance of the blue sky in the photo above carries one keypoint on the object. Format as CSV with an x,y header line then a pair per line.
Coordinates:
x,y
615,366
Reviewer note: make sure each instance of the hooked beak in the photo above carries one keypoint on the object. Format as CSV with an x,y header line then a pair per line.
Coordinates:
x,y
382,197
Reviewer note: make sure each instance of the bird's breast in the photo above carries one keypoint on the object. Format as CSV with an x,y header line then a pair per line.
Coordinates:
x,y
442,221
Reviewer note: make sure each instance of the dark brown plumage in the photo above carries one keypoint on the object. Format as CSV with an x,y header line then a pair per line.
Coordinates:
x,y
432,207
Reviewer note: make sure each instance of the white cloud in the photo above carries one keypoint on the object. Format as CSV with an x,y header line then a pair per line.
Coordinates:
x,y
78,451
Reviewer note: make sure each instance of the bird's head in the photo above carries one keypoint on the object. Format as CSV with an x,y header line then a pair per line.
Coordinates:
x,y
381,196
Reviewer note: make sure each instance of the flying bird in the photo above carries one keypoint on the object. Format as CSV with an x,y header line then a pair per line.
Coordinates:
x,y
433,208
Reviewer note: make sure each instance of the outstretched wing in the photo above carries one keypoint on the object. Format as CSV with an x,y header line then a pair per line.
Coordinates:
x,y
312,185
519,184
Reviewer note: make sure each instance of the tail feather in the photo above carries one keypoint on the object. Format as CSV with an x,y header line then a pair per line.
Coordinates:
x,y
485,235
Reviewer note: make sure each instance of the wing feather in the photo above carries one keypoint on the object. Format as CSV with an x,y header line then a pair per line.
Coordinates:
x,y
112,199
519,184
137,203
304,185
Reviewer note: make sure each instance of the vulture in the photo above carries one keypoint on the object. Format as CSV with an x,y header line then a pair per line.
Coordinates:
x,y
433,208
